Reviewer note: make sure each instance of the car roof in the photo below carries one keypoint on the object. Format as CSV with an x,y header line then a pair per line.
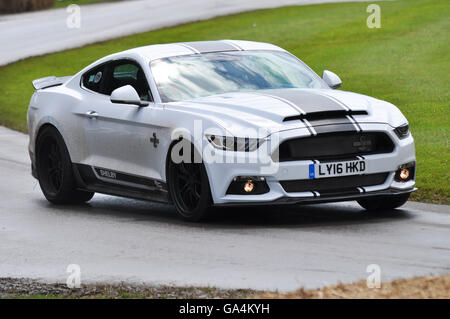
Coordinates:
x,y
158,51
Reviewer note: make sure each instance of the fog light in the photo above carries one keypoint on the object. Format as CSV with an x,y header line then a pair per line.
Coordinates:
x,y
404,174
249,186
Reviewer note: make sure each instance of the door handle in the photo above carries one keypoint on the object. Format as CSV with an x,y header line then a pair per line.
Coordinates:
x,y
92,114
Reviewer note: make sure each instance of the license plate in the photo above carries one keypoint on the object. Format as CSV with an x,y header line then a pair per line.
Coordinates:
x,y
337,169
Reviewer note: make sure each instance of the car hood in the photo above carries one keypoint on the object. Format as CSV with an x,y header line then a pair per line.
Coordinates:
x,y
283,109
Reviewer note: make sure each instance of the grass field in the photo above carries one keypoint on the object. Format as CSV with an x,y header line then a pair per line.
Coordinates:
x,y
65,3
406,62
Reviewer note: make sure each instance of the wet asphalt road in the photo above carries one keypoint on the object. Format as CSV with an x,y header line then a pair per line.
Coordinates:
x,y
115,239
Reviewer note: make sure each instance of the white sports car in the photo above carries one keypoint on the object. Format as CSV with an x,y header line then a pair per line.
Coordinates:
x,y
200,124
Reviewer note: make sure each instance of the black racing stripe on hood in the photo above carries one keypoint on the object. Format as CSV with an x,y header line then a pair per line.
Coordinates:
x,y
330,121
321,126
308,102
321,113
332,128
210,46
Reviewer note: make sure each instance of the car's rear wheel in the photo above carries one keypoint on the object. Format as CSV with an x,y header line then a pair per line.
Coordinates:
x,y
189,189
54,170
384,202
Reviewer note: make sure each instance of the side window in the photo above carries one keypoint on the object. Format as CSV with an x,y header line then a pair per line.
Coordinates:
x,y
128,73
94,79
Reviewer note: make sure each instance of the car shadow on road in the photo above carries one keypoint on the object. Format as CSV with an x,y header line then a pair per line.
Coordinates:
x,y
295,216
285,216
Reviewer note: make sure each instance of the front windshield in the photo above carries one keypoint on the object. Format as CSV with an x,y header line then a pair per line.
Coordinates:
x,y
192,76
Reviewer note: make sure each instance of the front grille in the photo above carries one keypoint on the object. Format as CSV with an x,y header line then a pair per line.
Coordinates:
x,y
339,145
341,184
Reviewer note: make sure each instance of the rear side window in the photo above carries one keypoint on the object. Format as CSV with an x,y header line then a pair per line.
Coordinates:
x,y
94,79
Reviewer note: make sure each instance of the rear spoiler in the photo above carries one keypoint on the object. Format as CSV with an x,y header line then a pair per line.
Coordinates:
x,y
50,81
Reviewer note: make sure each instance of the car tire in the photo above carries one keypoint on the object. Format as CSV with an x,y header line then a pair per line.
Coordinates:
x,y
55,171
384,202
189,189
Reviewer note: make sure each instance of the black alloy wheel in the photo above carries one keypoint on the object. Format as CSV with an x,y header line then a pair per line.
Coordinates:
x,y
189,189
54,170
53,165
188,184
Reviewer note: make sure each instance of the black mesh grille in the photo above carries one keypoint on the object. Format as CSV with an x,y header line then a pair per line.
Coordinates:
x,y
328,146
334,184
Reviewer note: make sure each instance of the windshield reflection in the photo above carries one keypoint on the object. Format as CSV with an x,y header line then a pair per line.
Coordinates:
x,y
188,77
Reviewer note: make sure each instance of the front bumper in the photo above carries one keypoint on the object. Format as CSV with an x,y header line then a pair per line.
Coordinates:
x,y
324,199
251,164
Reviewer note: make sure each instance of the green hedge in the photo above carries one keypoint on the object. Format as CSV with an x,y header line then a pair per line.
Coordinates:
x,y
14,6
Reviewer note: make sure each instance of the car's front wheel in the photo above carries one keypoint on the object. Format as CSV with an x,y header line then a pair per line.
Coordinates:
x,y
384,202
189,189
54,170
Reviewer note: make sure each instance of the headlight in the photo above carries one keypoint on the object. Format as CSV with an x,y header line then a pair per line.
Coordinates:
x,y
239,144
402,131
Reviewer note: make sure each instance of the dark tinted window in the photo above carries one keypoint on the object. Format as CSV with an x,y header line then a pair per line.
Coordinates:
x,y
128,73
94,79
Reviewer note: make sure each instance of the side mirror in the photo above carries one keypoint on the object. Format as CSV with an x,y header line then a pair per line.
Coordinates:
x,y
127,95
331,79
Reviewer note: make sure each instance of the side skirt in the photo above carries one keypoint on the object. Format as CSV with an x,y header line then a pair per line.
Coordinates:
x,y
110,182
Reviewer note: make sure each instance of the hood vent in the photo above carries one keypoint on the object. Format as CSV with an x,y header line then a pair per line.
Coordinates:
x,y
323,115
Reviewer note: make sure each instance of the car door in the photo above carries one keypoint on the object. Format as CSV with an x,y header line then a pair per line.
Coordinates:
x,y
122,138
